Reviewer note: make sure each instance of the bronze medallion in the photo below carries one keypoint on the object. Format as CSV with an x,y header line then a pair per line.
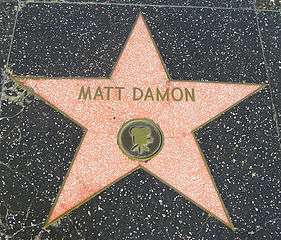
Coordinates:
x,y
140,139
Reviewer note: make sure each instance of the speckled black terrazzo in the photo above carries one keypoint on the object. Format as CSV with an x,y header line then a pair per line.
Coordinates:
x,y
242,147
207,44
190,3
270,27
69,40
195,43
243,152
37,146
7,17
140,207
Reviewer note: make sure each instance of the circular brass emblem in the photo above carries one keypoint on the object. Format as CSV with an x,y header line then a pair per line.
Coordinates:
x,y
140,139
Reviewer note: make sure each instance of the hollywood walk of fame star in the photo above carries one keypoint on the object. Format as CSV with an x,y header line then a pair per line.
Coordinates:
x,y
99,162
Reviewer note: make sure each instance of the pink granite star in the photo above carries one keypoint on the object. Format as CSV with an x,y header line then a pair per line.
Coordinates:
x,y
99,162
